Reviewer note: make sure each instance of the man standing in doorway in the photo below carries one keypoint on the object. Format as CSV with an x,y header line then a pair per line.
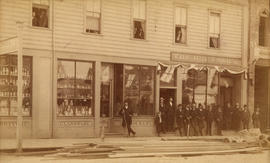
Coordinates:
x,y
126,114
170,118
236,117
245,117
227,116
163,110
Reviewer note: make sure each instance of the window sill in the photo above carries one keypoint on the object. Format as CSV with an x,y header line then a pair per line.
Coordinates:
x,y
40,28
136,39
74,117
180,44
213,48
93,34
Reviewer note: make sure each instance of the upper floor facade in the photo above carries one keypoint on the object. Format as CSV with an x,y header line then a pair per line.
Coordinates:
x,y
144,29
260,27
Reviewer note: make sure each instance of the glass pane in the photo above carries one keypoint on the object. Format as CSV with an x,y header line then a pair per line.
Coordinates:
x,y
200,87
139,29
131,85
83,101
118,87
65,88
92,24
90,5
4,86
212,87
142,9
40,16
188,87
146,91
10,92
180,34
105,94
27,86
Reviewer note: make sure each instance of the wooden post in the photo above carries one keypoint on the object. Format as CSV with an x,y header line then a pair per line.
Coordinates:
x,y
19,88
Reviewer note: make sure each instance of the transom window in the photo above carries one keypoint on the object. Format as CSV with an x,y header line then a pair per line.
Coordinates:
x,y
139,19
93,16
180,25
40,13
214,30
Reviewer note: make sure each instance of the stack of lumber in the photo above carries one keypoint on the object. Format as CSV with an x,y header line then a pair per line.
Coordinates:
x,y
126,149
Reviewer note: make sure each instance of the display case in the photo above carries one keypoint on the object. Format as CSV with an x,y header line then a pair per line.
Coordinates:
x,y
8,85
75,88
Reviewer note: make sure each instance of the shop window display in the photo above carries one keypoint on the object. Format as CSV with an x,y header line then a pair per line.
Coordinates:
x,y
8,85
139,89
75,88
201,87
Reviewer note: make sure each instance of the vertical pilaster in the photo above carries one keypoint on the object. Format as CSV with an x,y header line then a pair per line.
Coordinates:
x,y
179,85
97,98
157,92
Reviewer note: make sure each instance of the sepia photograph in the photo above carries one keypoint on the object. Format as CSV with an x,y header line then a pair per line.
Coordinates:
x,y
117,81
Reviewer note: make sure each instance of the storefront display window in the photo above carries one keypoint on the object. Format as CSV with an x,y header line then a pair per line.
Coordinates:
x,y
75,88
106,89
207,87
139,88
8,85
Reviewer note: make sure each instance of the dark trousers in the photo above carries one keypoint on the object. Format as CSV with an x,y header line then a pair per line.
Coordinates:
x,y
170,123
193,126
181,128
219,127
130,130
160,128
209,127
227,123
245,124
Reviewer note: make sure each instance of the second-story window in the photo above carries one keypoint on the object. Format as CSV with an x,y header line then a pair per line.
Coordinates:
x,y
93,16
180,25
40,13
214,30
139,19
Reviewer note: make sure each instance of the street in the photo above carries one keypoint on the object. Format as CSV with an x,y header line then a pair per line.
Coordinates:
x,y
233,158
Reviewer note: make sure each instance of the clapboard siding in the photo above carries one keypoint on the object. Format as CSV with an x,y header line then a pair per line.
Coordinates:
x,y
116,38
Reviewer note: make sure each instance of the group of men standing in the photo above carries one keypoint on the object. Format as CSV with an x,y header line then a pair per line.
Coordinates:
x,y
197,120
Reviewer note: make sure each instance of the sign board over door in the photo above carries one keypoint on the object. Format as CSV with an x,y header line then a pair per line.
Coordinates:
x,y
9,45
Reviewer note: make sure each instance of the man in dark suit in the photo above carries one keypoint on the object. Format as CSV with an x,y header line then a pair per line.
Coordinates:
x,y
159,123
126,114
245,117
180,117
227,116
200,118
194,122
170,117
209,119
164,113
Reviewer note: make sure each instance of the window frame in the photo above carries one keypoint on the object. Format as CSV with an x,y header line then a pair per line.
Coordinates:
x,y
138,19
100,19
76,61
32,4
177,5
139,89
9,65
214,11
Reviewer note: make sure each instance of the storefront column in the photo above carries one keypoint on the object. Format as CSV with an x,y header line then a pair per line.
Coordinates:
x,y
179,85
268,110
97,98
157,92
243,91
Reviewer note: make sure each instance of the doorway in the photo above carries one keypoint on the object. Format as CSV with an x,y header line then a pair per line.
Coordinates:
x,y
168,93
